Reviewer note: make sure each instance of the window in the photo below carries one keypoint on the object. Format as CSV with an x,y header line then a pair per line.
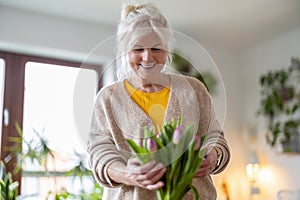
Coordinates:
x,y
39,96
48,113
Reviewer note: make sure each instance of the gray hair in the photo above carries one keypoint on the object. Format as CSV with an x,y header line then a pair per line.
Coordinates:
x,y
137,20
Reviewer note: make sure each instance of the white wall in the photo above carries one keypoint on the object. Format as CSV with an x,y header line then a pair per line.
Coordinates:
x,y
229,65
45,35
281,170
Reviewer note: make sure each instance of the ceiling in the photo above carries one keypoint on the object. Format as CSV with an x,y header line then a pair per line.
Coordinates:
x,y
235,24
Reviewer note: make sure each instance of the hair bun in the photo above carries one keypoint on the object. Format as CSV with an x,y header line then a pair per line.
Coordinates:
x,y
128,9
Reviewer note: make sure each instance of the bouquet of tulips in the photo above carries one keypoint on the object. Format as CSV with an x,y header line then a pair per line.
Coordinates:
x,y
179,150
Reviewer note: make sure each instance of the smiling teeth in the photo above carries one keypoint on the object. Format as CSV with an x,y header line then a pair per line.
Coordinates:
x,y
148,66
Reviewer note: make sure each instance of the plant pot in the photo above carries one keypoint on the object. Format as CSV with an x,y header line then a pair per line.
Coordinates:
x,y
287,93
292,145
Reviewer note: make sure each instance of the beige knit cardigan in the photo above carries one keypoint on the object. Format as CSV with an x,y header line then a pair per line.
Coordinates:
x,y
117,118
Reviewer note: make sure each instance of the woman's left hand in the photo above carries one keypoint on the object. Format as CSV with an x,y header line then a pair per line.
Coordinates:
x,y
208,165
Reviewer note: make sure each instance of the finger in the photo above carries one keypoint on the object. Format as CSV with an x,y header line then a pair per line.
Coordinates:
x,y
153,174
201,173
156,186
204,170
134,161
205,162
158,167
134,166
148,167
209,160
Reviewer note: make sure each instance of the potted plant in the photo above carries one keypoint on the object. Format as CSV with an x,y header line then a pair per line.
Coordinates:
x,y
280,104
8,187
37,151
183,66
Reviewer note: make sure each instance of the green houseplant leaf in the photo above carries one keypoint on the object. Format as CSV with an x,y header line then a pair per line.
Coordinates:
x,y
9,188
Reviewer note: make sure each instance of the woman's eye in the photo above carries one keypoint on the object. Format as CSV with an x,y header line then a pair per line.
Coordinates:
x,y
138,50
155,49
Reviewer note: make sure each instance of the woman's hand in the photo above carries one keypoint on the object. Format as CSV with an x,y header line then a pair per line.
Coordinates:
x,y
145,176
208,165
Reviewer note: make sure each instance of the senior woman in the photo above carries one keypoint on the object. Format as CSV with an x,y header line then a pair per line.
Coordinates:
x,y
146,96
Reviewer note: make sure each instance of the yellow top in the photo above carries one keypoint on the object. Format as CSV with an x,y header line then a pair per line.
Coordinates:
x,y
154,104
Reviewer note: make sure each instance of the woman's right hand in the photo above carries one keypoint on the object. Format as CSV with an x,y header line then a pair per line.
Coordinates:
x,y
146,176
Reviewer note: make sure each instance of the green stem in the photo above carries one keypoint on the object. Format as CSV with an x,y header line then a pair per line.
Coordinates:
x,y
190,157
196,195
159,194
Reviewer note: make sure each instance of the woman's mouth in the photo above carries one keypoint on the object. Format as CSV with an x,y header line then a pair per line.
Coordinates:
x,y
148,66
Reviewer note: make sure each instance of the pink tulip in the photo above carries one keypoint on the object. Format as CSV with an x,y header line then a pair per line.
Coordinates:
x,y
151,144
177,134
197,142
158,135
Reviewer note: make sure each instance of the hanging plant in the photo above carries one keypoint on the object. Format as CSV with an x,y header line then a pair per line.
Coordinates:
x,y
280,104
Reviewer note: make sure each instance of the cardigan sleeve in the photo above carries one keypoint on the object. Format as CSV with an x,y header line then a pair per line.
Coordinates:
x,y
101,147
216,139
210,126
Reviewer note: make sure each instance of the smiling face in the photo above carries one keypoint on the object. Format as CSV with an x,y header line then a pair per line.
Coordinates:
x,y
147,56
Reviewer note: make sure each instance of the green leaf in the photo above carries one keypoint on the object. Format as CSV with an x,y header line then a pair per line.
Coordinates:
x,y
169,130
190,158
15,139
202,153
19,130
176,168
165,139
159,194
195,192
158,142
184,142
143,154
136,148
162,156
182,187
13,186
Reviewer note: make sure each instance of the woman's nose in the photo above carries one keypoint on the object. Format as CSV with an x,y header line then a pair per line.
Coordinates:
x,y
147,55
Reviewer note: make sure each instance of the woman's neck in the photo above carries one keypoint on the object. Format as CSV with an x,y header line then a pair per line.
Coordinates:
x,y
150,85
